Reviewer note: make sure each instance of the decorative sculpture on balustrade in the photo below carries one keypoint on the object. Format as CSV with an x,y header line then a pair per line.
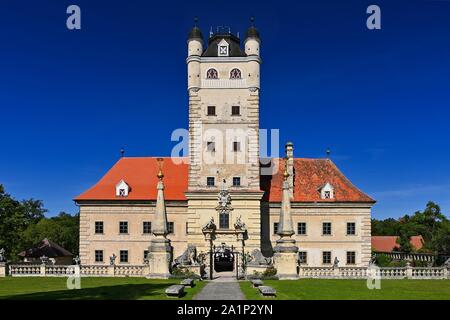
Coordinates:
x,y
2,255
44,259
447,263
336,263
77,260
112,260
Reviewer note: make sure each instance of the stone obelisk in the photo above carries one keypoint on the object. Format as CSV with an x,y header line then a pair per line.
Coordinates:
x,y
285,256
160,251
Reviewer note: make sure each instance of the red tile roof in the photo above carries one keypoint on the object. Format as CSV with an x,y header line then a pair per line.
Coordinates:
x,y
389,243
309,176
140,175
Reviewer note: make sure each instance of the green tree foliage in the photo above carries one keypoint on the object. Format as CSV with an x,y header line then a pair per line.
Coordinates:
x,y
23,224
430,223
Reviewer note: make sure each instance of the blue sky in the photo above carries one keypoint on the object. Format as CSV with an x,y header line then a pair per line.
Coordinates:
x,y
379,99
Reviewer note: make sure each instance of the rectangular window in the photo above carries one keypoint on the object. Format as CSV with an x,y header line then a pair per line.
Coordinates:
x,y
301,228
224,221
98,255
351,228
99,227
236,146
326,228
351,257
326,257
302,257
170,227
235,111
236,181
145,254
146,227
211,111
210,181
123,227
210,146
275,227
187,227
123,256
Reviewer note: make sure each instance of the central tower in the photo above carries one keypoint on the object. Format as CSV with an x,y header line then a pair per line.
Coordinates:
x,y
223,86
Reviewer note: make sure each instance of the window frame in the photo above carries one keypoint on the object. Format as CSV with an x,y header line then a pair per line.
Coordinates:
x,y
222,225
127,256
233,111
239,73
323,257
102,227
323,228
120,227
236,146
354,228
275,227
298,228
215,76
305,261
236,179
149,225
100,252
170,227
208,109
349,254
208,179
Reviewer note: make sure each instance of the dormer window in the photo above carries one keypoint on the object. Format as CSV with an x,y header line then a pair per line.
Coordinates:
x,y
212,74
235,74
326,191
223,49
122,189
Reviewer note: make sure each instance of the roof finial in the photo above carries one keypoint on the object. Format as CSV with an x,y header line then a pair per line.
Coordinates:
x,y
160,174
195,21
252,20
122,152
328,153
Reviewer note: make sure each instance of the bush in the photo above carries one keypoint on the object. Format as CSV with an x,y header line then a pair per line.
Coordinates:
x,y
383,260
269,272
180,273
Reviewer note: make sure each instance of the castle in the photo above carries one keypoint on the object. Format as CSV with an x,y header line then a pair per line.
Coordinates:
x,y
223,181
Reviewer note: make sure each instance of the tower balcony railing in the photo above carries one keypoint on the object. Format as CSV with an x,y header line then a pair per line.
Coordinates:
x,y
224,83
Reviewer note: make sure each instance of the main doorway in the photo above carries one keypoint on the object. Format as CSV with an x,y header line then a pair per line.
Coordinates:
x,y
223,258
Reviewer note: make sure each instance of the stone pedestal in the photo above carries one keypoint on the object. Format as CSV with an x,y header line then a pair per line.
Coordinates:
x,y
160,256
3,269
285,259
194,268
111,270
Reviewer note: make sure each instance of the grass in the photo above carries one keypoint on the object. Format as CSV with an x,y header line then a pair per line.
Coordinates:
x,y
318,289
54,288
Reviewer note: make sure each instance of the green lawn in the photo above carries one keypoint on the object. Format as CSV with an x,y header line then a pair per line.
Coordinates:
x,y
54,288
318,289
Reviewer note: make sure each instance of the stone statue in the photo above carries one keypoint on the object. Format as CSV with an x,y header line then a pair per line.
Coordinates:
x,y
210,225
373,260
201,258
256,257
239,225
189,257
76,260
2,255
112,260
335,263
447,263
44,259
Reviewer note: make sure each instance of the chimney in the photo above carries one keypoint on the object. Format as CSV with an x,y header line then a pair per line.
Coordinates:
x,y
290,167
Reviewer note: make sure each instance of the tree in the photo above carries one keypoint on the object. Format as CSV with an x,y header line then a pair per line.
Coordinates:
x,y
15,217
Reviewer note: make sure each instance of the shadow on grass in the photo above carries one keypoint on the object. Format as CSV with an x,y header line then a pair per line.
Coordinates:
x,y
116,292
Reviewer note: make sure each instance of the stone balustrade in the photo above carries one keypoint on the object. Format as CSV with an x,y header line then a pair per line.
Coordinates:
x,y
26,270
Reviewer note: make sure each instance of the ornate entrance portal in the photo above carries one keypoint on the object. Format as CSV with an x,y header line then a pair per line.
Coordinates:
x,y
223,258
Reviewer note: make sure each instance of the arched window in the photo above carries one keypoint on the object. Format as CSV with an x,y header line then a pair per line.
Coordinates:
x,y
235,74
212,74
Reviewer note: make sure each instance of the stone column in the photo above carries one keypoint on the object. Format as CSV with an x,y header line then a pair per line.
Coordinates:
x,y
160,250
286,251
3,269
409,270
